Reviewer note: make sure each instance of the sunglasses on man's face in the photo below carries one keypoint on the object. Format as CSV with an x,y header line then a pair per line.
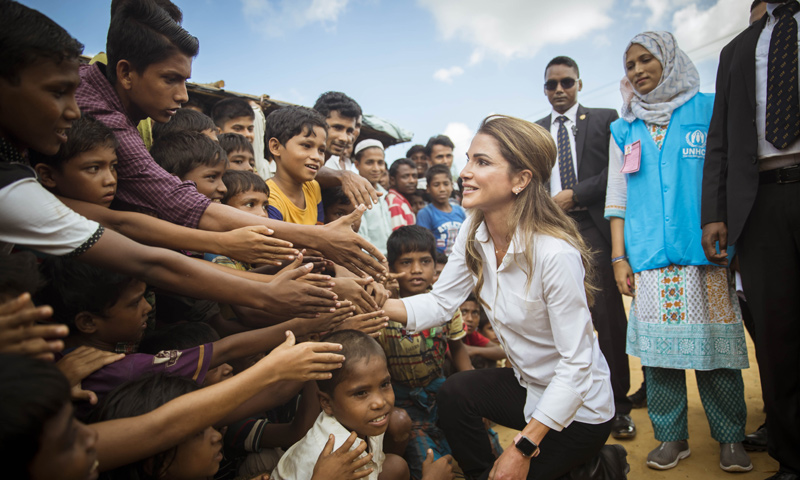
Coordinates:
x,y
566,83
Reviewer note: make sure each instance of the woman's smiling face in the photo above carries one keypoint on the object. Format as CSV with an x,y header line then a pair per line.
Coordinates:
x,y
642,68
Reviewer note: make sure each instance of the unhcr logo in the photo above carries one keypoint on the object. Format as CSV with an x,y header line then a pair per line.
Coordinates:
x,y
696,141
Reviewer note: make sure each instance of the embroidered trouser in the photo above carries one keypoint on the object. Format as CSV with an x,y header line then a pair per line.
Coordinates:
x,y
722,394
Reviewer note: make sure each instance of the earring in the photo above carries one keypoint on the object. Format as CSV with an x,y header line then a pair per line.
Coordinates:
x,y
517,191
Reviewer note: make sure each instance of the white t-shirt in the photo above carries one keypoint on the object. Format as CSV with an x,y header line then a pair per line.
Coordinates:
x,y
33,217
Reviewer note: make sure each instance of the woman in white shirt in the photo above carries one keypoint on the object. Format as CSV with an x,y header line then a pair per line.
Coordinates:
x,y
527,263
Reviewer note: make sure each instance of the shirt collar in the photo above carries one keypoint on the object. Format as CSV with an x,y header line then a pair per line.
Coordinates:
x,y
771,9
482,236
571,114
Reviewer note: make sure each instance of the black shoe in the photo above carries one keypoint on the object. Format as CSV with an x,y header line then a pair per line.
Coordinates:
x,y
756,441
639,399
610,463
622,427
781,475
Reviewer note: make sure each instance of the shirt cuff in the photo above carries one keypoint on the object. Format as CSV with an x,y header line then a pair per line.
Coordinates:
x,y
89,243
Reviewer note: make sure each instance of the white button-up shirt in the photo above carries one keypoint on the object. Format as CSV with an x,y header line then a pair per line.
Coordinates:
x,y
570,123
544,325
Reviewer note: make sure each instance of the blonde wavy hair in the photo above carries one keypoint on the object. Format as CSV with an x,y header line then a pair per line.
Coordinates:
x,y
526,145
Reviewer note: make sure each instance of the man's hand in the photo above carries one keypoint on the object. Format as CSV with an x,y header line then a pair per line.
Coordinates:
x,y
255,245
564,199
288,296
330,321
358,189
82,362
441,469
343,464
712,233
346,248
19,333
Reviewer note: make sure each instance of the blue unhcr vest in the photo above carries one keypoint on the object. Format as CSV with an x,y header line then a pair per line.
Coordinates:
x,y
662,218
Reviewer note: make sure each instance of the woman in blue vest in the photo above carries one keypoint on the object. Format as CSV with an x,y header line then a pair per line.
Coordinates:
x,y
684,314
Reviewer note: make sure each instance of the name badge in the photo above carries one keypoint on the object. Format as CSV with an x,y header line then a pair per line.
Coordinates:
x,y
633,157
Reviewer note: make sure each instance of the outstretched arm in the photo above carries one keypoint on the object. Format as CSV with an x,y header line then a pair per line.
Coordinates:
x,y
126,440
250,244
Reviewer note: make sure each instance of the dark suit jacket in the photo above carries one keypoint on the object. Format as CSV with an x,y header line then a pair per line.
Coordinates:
x,y
731,163
591,151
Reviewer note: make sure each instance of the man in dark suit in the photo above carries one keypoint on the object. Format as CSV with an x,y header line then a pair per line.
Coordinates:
x,y
578,185
751,198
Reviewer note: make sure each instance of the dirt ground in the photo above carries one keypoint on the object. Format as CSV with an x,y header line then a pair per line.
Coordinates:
x,y
704,460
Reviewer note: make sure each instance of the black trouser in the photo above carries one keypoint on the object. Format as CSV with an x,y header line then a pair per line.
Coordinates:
x,y
769,257
494,393
608,313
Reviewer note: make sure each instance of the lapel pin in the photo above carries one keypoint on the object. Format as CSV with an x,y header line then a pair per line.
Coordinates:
x,y
583,117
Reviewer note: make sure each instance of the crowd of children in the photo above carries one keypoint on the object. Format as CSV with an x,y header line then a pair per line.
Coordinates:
x,y
192,310
191,294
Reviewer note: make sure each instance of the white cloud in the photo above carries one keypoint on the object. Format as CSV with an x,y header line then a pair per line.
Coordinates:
x,y
703,33
461,135
274,17
446,75
516,28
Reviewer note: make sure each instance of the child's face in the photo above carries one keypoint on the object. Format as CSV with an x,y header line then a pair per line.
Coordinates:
x,y
159,90
341,133
90,176
37,112
440,189
66,449
384,181
471,314
251,202
208,180
242,160
488,332
417,203
241,125
126,320
419,269
302,156
372,164
197,457
363,400
218,374
339,210
439,268
405,180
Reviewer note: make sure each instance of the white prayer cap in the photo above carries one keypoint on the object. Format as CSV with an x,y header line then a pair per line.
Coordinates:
x,y
368,143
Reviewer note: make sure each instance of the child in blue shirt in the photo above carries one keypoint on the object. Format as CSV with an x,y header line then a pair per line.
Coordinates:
x,y
441,217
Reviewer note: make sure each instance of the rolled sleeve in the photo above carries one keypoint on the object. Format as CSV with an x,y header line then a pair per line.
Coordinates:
x,y
617,187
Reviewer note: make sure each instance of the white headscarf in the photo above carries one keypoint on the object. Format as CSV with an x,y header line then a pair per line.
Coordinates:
x,y
679,81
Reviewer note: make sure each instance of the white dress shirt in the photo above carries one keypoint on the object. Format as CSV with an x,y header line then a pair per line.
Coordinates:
x,y
766,149
555,176
545,328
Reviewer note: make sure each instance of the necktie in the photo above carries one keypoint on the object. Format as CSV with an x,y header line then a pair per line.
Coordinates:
x,y
565,168
782,123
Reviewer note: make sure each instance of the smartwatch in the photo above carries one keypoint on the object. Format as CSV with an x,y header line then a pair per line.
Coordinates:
x,y
526,446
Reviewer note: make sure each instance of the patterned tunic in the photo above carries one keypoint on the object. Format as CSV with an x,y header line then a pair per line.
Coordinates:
x,y
684,316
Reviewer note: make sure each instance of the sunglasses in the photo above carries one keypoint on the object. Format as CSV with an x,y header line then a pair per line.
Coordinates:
x,y
566,83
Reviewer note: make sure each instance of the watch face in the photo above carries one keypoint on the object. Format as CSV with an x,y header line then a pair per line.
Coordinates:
x,y
526,446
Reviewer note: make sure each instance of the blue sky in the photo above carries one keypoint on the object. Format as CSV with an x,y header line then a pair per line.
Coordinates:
x,y
431,66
